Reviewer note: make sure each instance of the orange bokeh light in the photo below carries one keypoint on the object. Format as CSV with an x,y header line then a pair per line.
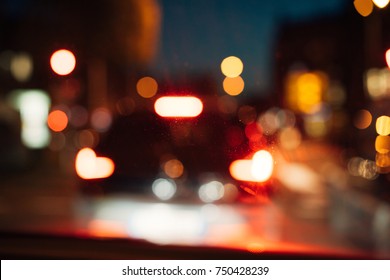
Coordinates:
x,y
63,62
147,87
89,166
233,86
178,106
57,120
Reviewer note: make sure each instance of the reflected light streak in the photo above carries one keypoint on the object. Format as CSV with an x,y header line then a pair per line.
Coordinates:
x,y
89,166
107,228
161,223
63,62
178,106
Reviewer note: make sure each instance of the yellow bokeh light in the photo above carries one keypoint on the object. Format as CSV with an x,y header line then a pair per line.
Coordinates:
x,y
382,144
387,56
63,62
233,86
362,119
364,7
21,67
381,3
173,168
178,106
383,125
147,87
232,66
310,92
305,91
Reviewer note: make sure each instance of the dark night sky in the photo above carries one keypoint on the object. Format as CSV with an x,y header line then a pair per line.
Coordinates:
x,y
197,35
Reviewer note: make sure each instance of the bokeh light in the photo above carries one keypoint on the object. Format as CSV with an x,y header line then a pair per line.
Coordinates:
x,y
33,106
63,62
262,165
387,56
87,138
362,119
368,169
164,189
241,170
289,138
173,168
211,191
381,3
232,66
230,192
233,86
383,125
377,82
269,121
21,67
383,162
178,106
89,166
57,120
364,7
382,144
101,119
147,87
305,91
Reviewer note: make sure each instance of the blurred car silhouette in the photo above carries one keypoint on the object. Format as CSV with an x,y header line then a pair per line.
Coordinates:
x,y
174,154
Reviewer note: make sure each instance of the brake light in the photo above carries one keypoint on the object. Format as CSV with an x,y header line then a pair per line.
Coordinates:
x,y
178,106
89,166
257,169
